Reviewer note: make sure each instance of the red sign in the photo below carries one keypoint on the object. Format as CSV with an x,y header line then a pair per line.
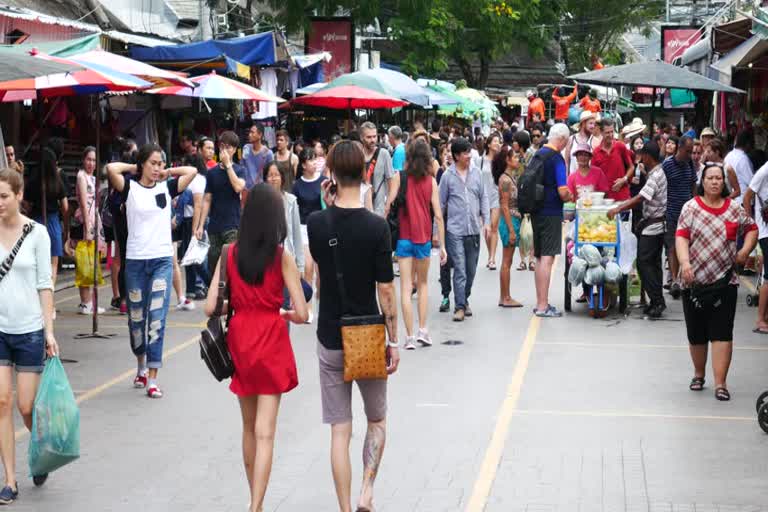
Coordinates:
x,y
675,40
336,36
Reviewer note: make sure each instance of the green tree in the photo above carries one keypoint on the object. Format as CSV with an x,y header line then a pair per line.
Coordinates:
x,y
594,28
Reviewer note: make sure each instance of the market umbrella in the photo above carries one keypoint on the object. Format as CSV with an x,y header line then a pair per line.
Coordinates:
x,y
349,97
158,77
653,74
19,66
215,86
388,82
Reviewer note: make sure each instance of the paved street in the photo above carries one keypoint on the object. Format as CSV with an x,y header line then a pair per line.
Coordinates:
x,y
571,414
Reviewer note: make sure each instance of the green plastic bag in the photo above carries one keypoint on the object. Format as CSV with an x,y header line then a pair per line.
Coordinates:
x,y
55,437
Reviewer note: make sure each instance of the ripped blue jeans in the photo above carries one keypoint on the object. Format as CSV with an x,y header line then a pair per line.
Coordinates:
x,y
148,283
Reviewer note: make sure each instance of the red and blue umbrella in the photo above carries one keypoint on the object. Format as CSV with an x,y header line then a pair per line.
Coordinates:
x,y
215,86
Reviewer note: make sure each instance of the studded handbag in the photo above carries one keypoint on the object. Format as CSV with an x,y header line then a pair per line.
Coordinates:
x,y
213,340
363,337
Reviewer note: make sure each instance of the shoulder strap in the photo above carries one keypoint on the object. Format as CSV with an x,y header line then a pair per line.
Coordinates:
x,y
8,263
333,243
223,292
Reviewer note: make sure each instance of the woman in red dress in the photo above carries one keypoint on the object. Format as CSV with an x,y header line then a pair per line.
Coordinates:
x,y
258,270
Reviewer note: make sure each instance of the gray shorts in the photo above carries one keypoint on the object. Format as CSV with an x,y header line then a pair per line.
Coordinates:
x,y
336,395
547,235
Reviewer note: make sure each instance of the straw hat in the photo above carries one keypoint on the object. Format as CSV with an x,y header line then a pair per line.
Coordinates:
x,y
708,132
635,127
585,115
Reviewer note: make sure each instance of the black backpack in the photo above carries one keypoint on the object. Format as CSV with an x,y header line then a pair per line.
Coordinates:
x,y
530,184
393,219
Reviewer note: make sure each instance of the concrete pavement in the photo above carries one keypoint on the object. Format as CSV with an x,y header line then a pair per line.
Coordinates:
x,y
568,414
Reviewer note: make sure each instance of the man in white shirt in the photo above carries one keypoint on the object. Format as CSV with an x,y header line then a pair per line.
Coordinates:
x,y
740,162
755,197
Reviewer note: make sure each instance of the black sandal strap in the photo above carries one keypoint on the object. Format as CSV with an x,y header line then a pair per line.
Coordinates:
x,y
722,394
697,384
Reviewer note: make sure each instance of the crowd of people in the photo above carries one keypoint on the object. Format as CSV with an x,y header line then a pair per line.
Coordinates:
x,y
310,233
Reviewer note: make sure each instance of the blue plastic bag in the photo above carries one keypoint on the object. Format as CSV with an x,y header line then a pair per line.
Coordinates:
x,y
55,437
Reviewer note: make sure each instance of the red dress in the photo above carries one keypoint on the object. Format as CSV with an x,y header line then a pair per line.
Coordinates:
x,y
258,337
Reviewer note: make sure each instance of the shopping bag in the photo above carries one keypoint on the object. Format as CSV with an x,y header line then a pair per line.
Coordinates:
x,y
196,252
526,236
55,437
628,248
84,265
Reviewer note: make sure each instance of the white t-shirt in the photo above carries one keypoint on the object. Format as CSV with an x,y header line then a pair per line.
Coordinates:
x,y
741,163
759,185
20,311
196,187
148,211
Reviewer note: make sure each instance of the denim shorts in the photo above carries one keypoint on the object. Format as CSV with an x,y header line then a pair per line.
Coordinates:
x,y
408,249
24,351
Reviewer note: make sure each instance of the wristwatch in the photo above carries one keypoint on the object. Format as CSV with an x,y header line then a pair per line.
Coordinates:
x,y
393,344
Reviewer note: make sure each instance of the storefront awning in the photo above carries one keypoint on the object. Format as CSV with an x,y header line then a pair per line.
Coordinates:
x,y
741,56
255,50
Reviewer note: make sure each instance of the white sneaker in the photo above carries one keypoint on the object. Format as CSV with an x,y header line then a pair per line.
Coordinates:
x,y
410,343
87,309
424,338
187,305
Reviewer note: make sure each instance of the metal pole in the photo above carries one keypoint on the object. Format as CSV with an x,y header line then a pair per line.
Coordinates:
x,y
653,108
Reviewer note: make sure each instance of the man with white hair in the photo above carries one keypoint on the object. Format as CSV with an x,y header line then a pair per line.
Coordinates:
x,y
395,134
547,222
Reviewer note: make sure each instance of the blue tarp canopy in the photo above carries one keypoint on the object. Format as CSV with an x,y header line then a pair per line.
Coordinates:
x,y
255,50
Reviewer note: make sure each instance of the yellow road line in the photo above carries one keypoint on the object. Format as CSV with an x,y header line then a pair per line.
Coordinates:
x,y
495,448
77,295
87,395
630,414
635,345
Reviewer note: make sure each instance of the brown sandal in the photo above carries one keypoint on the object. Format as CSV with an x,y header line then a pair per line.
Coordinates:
x,y
522,266
531,266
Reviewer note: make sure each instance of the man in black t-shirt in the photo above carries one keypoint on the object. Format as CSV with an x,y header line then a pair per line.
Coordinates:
x,y
365,251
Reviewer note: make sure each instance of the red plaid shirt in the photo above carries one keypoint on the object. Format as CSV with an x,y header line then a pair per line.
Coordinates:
x,y
712,236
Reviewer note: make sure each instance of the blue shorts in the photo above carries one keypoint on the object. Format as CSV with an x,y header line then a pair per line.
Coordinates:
x,y
407,249
504,232
54,233
24,351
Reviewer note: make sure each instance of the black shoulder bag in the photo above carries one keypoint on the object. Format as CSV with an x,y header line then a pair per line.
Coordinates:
x,y
710,296
213,340
363,337
393,219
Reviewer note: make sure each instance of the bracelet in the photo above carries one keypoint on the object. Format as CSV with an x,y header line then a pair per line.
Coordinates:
x,y
393,344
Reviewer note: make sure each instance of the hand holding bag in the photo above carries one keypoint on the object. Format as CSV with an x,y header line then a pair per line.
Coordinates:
x,y
363,337
213,340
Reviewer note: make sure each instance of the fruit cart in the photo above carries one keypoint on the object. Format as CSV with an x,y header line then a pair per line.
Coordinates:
x,y
591,225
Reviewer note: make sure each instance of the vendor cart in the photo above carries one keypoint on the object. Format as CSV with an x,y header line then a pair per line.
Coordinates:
x,y
596,230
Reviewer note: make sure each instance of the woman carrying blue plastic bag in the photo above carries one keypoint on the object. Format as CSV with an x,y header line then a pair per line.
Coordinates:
x,y
26,324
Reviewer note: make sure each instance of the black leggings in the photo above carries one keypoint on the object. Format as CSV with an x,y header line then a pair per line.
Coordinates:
x,y
120,229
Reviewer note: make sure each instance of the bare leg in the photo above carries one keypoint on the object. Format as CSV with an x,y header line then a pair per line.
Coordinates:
x,y
493,237
762,308
542,276
422,272
341,466
85,295
177,276
26,389
7,440
674,266
507,256
406,282
722,351
115,271
373,449
54,270
699,358
248,408
266,423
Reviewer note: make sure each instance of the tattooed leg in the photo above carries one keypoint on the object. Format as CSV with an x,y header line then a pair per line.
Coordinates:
x,y
373,449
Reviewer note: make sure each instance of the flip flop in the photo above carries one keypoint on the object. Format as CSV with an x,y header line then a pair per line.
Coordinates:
x,y
722,394
531,266
515,305
492,266
697,384
522,266
757,330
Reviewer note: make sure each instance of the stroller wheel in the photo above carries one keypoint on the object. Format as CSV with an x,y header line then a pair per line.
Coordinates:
x,y
761,400
762,418
750,300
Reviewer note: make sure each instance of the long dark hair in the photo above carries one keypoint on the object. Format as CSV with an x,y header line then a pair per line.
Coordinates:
x,y
144,154
499,164
197,162
262,230
419,159
49,168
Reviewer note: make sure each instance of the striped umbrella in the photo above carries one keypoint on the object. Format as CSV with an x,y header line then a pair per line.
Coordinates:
x,y
92,80
215,86
158,77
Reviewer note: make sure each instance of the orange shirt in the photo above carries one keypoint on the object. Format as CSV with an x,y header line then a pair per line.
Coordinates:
x,y
587,103
536,106
562,104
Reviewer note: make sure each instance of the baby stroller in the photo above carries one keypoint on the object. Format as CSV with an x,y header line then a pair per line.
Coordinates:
x,y
762,411
754,296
